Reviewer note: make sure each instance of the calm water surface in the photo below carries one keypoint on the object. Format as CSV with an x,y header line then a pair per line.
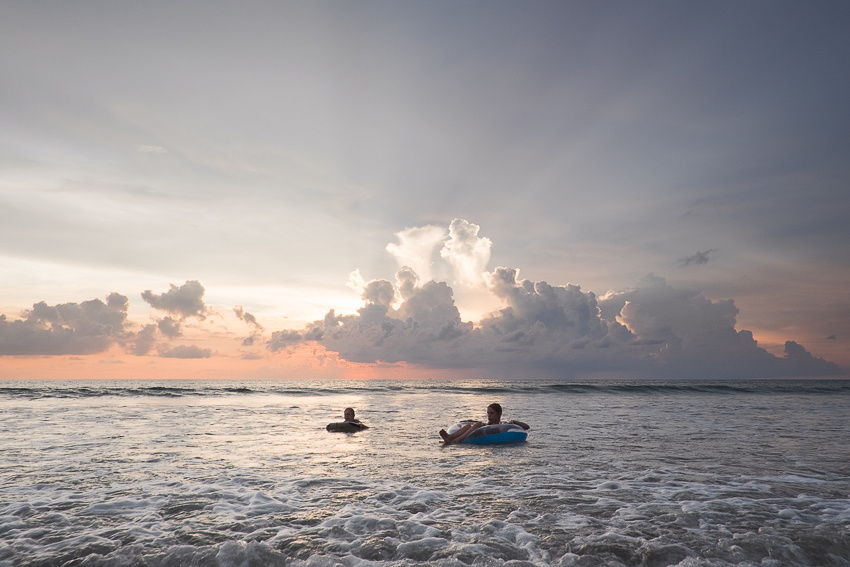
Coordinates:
x,y
244,474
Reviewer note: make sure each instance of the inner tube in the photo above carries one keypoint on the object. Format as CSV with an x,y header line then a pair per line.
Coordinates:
x,y
498,433
346,426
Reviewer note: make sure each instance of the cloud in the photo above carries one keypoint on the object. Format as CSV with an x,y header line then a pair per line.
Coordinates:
x,y
698,259
144,340
186,351
805,363
462,259
69,328
466,252
150,149
653,329
283,339
256,334
698,336
184,301
169,327
416,248
247,317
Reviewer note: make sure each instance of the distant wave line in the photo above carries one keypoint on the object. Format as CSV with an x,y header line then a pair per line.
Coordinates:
x,y
265,388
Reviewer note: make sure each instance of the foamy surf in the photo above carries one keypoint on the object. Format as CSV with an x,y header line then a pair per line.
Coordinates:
x,y
245,474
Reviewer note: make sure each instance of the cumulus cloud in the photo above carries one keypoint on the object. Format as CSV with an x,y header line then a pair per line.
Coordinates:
x,y
180,302
416,248
804,363
282,339
462,258
466,252
653,329
93,326
184,301
697,336
169,327
186,351
69,328
144,340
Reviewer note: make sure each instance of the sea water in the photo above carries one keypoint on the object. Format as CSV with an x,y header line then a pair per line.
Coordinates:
x,y
245,474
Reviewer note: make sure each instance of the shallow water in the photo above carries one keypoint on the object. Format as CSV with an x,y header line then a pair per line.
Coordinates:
x,y
233,474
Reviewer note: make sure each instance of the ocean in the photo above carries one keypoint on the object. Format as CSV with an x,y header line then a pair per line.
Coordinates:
x,y
240,474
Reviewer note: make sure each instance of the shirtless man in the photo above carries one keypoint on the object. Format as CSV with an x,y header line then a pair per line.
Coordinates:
x,y
494,417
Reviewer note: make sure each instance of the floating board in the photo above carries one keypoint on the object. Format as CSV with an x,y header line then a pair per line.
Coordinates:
x,y
499,433
346,426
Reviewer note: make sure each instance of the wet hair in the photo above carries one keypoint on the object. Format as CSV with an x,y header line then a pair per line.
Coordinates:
x,y
346,409
496,407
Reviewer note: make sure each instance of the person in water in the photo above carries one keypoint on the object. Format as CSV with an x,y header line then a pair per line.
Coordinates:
x,y
494,417
348,414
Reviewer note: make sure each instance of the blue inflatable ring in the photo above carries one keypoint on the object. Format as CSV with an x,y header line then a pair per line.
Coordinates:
x,y
499,433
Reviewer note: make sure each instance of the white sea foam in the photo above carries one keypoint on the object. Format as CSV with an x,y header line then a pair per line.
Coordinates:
x,y
630,478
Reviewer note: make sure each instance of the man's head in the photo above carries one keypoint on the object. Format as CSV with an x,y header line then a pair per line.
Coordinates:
x,y
494,413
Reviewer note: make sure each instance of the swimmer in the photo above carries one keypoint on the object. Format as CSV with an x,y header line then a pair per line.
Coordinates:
x,y
348,415
494,417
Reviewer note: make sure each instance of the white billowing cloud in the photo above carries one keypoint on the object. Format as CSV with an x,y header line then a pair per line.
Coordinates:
x,y
416,248
184,301
68,328
462,259
653,329
461,262
466,252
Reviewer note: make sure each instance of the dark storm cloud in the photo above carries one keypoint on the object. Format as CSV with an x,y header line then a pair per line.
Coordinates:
x,y
804,363
69,328
184,301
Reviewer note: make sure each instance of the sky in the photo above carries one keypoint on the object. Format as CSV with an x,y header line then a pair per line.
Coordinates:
x,y
424,189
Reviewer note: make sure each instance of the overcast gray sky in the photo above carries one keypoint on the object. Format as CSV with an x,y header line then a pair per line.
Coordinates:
x,y
269,149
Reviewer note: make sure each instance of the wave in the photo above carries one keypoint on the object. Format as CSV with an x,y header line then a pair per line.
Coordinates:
x,y
33,390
